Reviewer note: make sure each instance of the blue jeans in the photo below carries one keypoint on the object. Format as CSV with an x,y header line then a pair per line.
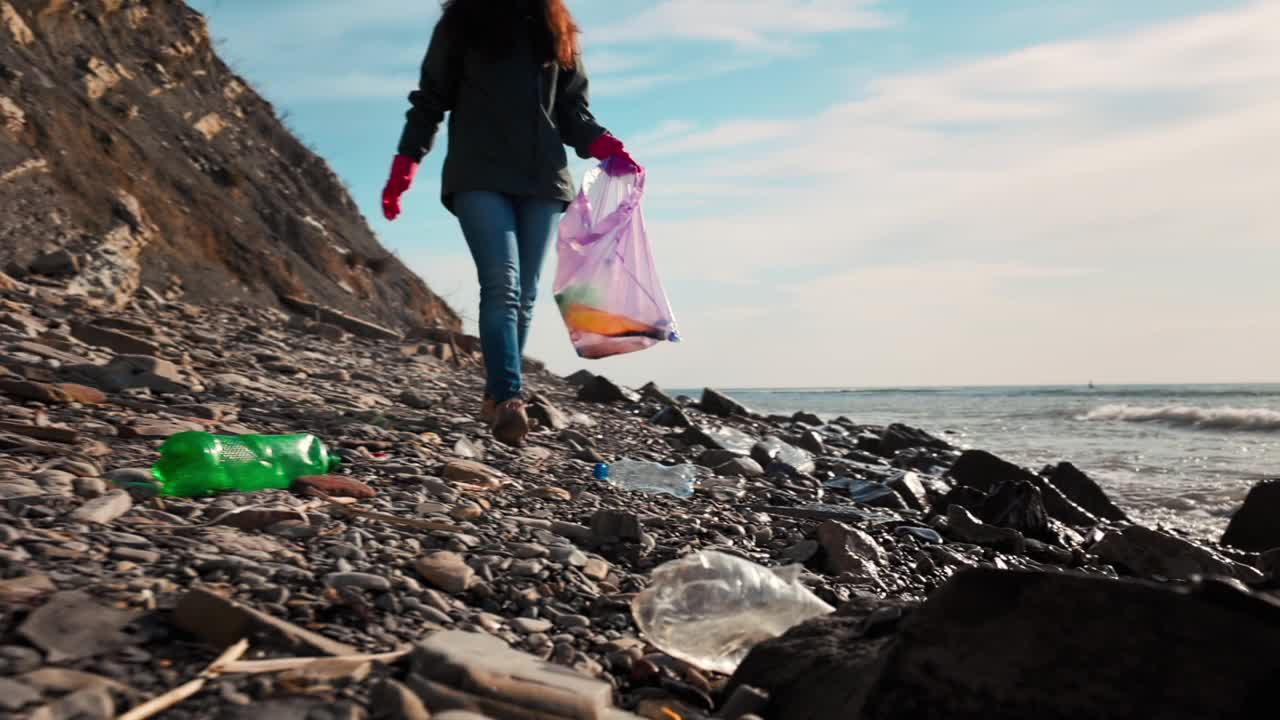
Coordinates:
x,y
508,237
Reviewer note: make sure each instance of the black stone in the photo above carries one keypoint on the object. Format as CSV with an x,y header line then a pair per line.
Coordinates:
x,y
1256,525
717,403
1081,489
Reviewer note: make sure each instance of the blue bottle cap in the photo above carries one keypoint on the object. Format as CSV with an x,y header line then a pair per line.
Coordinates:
x,y
601,471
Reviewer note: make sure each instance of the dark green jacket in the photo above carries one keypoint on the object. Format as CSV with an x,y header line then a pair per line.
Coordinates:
x,y
509,119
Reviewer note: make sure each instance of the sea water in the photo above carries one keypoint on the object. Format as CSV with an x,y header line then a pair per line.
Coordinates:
x,y
1183,455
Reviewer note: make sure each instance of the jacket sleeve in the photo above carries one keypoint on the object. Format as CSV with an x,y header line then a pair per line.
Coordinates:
x,y
437,90
578,127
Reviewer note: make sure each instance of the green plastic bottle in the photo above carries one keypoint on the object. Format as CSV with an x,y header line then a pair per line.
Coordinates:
x,y
200,463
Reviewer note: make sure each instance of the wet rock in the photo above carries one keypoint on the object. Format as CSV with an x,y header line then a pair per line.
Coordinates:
x,y
963,526
717,403
1017,505
1149,553
73,625
902,437
1256,525
447,571
955,658
600,389
1081,489
983,471
105,509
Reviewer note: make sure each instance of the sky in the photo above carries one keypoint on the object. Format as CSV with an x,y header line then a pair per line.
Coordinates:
x,y
864,193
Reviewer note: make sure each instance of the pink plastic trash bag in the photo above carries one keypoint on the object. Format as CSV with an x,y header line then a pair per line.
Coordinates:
x,y
606,284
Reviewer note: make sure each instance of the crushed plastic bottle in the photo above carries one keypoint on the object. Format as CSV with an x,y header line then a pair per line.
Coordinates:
x,y
200,463
710,608
649,477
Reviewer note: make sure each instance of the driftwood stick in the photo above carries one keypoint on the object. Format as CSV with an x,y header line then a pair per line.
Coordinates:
x,y
160,703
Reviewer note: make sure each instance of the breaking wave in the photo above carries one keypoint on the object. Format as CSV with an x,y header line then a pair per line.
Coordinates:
x,y
1190,417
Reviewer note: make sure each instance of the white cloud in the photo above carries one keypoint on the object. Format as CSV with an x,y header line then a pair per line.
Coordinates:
x,y
756,24
939,208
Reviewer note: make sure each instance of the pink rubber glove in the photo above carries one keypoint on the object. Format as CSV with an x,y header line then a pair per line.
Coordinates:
x,y
617,161
402,171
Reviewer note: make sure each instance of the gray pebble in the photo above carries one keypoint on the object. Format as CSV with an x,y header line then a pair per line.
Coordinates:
x,y
364,581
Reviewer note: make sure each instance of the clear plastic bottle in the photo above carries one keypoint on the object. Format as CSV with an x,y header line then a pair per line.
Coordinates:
x,y
649,477
710,608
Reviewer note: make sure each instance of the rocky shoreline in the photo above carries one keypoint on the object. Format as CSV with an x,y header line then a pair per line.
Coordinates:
x,y
448,575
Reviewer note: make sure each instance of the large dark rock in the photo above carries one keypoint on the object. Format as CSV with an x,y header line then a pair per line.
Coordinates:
x,y
981,470
580,378
1081,489
970,499
998,645
807,418
963,526
901,437
1150,553
671,416
717,403
1068,647
819,670
1256,525
601,389
651,391
1017,505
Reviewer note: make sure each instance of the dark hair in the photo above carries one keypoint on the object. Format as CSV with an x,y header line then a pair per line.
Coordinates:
x,y
487,24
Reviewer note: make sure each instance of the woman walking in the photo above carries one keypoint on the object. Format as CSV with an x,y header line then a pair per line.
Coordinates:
x,y
510,75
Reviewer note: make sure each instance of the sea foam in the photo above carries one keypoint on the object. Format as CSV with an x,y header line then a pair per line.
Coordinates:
x,y
1190,417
